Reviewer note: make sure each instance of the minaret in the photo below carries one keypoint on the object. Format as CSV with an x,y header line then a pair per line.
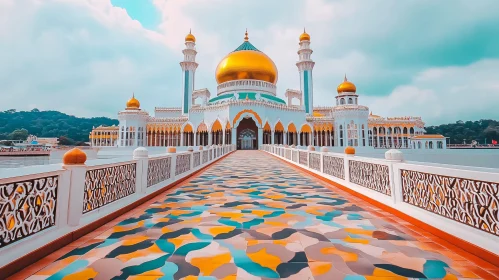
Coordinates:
x,y
189,66
305,66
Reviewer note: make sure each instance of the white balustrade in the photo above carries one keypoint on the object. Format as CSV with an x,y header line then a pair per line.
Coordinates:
x,y
460,201
73,196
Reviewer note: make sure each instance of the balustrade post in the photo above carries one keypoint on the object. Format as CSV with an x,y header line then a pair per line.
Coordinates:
x,y
324,150
349,153
173,152
394,156
142,156
74,161
191,150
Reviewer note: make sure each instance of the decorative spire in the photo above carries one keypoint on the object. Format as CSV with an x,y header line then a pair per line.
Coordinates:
x,y
345,78
190,30
246,35
133,94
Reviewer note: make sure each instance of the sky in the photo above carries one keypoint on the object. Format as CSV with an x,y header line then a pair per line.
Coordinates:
x,y
434,59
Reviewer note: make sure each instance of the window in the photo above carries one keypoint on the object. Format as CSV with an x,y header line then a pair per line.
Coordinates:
x,y
431,144
350,101
341,135
419,145
352,134
363,136
440,145
342,101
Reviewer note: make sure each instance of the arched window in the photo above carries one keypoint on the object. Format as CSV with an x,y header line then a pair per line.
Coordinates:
x,y
431,144
350,101
342,101
419,144
426,144
440,145
411,131
363,136
405,130
352,134
341,135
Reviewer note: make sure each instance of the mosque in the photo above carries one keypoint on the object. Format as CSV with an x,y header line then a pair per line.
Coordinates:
x,y
247,111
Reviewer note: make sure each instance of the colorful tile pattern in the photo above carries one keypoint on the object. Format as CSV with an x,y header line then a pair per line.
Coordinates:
x,y
250,216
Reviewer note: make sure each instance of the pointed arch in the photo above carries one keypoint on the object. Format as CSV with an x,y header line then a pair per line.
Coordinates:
x,y
240,115
216,126
291,127
279,127
227,125
306,128
187,127
267,127
202,127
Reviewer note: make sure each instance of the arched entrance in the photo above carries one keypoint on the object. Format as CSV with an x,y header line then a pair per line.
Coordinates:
x,y
247,134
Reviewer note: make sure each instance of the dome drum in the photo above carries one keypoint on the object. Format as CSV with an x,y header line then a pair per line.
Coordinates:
x,y
246,85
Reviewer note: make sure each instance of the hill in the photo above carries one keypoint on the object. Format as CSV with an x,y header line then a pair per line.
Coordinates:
x,y
483,131
16,125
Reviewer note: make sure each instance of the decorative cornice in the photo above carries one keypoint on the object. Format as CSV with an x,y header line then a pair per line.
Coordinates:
x,y
241,102
170,109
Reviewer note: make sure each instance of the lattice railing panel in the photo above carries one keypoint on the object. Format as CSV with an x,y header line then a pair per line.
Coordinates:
x,y
196,159
158,170
315,161
370,175
108,184
334,166
471,202
183,164
27,207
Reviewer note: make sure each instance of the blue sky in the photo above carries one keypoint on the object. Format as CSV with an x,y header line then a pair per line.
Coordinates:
x,y
435,59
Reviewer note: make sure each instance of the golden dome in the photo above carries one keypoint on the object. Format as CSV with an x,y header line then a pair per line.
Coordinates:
x,y
190,37
350,150
133,103
304,36
346,86
246,62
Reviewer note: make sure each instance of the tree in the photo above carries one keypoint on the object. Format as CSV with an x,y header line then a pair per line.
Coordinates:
x,y
65,141
35,110
19,134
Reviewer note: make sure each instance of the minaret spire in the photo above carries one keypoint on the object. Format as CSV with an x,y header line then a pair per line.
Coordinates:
x,y
246,35
345,78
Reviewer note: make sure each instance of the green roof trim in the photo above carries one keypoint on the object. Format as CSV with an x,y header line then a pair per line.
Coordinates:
x,y
273,98
246,46
249,95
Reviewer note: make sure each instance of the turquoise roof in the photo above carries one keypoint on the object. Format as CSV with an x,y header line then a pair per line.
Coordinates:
x,y
246,46
250,96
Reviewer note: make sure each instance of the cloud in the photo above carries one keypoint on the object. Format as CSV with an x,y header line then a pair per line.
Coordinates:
x,y
85,57
445,94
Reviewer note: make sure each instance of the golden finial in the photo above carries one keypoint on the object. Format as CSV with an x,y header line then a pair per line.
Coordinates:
x,y
190,29
247,96
346,77
133,94
246,35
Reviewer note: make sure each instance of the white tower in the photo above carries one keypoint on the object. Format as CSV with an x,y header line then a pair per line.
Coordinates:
x,y
189,66
132,126
305,66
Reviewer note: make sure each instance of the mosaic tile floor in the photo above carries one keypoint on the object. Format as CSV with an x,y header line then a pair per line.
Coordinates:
x,y
252,217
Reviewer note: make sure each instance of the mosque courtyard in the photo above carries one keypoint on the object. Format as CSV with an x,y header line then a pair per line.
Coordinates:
x,y
251,216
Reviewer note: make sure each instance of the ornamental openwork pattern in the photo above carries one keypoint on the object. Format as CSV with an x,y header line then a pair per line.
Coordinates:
x,y
27,207
158,170
196,158
210,154
334,166
471,202
205,156
303,158
315,161
109,184
288,154
183,164
370,175
295,156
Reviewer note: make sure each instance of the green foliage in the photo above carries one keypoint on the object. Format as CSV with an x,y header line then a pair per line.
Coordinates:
x,y
48,124
19,134
468,131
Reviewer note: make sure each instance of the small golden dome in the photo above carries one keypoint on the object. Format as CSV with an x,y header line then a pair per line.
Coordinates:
x,y
246,62
346,86
317,114
304,36
350,150
133,103
190,37
74,156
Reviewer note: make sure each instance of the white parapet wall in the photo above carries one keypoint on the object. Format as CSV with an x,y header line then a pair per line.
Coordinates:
x,y
461,202
41,204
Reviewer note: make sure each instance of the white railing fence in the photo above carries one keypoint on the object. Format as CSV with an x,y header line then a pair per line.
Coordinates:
x,y
463,203
40,204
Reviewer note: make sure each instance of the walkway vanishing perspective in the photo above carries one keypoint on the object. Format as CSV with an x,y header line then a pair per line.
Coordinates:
x,y
251,216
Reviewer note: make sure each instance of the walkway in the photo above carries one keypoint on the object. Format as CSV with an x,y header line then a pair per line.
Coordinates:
x,y
250,216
